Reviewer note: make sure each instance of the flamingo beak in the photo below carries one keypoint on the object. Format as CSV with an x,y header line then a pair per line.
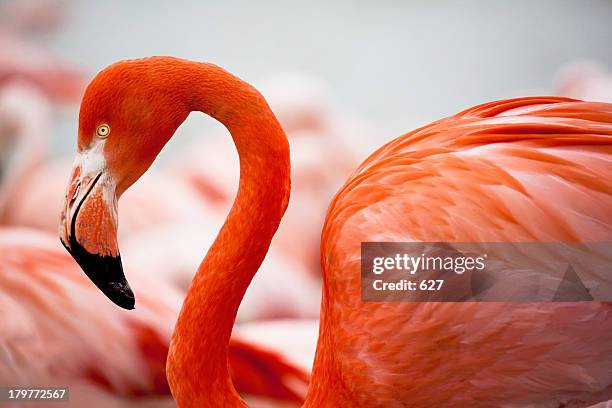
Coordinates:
x,y
88,231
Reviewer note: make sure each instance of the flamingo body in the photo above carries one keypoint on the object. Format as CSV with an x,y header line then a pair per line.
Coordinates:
x,y
43,341
530,169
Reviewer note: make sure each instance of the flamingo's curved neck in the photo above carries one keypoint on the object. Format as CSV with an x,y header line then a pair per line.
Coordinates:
x,y
197,361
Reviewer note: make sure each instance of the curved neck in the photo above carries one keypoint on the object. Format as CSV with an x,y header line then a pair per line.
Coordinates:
x,y
197,362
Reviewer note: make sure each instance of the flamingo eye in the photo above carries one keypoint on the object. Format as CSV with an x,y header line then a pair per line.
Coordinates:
x,y
102,131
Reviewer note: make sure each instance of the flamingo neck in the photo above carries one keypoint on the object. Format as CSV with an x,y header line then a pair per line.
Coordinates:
x,y
197,365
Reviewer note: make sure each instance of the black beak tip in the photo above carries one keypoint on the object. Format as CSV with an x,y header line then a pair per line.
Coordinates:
x,y
121,294
106,272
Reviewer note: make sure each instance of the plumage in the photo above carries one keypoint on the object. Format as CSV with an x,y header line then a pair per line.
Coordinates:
x,y
523,170
56,330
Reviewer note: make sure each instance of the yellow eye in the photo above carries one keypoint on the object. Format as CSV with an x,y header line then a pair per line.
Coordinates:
x,y
102,131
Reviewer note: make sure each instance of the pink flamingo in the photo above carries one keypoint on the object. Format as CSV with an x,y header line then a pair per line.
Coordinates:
x,y
527,169
52,328
289,284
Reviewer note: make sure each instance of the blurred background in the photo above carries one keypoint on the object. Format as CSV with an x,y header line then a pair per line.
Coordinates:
x,y
396,63
343,77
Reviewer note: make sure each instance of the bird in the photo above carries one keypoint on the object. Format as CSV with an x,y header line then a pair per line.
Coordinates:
x,y
54,332
529,169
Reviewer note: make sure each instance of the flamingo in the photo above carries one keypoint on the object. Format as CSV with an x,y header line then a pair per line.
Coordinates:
x,y
526,169
51,327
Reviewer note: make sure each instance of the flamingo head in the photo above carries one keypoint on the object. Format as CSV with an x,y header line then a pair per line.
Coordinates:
x,y
127,115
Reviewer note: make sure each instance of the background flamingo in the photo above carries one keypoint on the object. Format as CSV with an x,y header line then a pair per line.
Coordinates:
x,y
517,170
52,322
